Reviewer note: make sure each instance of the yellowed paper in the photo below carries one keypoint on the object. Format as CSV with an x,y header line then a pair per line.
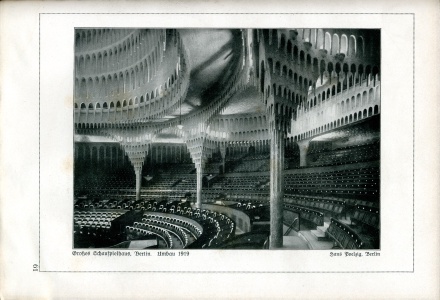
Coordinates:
x,y
36,156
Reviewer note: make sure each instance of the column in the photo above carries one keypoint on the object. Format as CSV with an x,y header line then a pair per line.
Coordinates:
x,y
138,172
199,168
276,188
303,150
223,154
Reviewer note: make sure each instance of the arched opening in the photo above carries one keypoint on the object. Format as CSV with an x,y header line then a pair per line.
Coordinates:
x,y
376,109
278,68
270,63
344,44
352,45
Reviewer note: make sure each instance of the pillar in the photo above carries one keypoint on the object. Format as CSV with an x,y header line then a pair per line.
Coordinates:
x,y
303,150
138,172
223,154
199,185
276,188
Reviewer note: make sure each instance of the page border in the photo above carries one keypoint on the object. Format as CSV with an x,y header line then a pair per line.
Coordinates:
x,y
237,272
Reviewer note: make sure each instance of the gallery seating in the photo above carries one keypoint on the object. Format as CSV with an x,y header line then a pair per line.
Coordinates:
x,y
344,237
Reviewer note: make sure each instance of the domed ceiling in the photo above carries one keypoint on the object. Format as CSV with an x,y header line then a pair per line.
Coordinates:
x,y
212,55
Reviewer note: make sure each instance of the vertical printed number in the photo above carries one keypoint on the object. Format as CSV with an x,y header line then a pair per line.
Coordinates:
x,y
35,267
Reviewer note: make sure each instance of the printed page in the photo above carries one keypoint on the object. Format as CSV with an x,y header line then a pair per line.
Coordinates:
x,y
223,150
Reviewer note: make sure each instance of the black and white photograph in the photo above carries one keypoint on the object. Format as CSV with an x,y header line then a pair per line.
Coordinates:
x,y
219,149
227,138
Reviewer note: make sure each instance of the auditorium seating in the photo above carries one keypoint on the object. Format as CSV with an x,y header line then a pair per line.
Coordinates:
x,y
216,227
250,240
265,167
249,183
165,220
91,180
362,182
177,231
189,228
164,183
342,202
140,230
367,216
249,166
212,168
313,216
346,155
332,207
366,222
93,227
257,156
235,157
344,237
176,168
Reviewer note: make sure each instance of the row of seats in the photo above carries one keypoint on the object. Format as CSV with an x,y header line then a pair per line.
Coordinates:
x,y
249,166
265,167
344,155
90,181
305,213
217,228
334,207
194,231
164,183
366,215
142,230
189,183
94,219
314,216
257,156
103,203
250,183
176,168
255,211
212,168
344,237
164,206
340,156
95,225
353,182
172,228
236,157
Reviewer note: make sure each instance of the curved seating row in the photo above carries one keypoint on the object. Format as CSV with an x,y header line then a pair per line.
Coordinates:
x,y
193,230
343,236
346,155
217,228
172,228
366,215
310,215
333,207
140,230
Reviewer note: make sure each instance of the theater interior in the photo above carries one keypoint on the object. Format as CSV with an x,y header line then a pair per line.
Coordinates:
x,y
227,138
